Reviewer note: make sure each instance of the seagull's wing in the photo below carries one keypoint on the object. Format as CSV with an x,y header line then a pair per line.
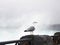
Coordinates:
x,y
32,28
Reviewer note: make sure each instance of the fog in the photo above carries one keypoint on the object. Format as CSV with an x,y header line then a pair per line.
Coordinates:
x,y
18,15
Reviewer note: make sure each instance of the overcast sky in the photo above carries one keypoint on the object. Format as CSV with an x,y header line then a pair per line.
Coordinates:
x,y
18,15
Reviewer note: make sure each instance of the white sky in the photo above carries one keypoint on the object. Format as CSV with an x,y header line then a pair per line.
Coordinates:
x,y
18,15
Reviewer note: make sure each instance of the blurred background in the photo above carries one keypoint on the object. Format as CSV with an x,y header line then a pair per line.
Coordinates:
x,y
17,15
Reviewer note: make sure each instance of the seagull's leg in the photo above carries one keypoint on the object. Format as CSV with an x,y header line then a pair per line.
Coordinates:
x,y
31,33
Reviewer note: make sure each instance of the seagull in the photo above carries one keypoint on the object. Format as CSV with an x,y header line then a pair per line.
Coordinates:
x,y
30,29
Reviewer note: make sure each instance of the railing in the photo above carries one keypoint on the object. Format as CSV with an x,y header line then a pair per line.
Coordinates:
x,y
15,41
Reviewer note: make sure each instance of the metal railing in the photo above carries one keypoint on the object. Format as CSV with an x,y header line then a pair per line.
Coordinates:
x,y
15,41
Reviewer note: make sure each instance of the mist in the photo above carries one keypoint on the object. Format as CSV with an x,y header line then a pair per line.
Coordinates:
x,y
18,15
